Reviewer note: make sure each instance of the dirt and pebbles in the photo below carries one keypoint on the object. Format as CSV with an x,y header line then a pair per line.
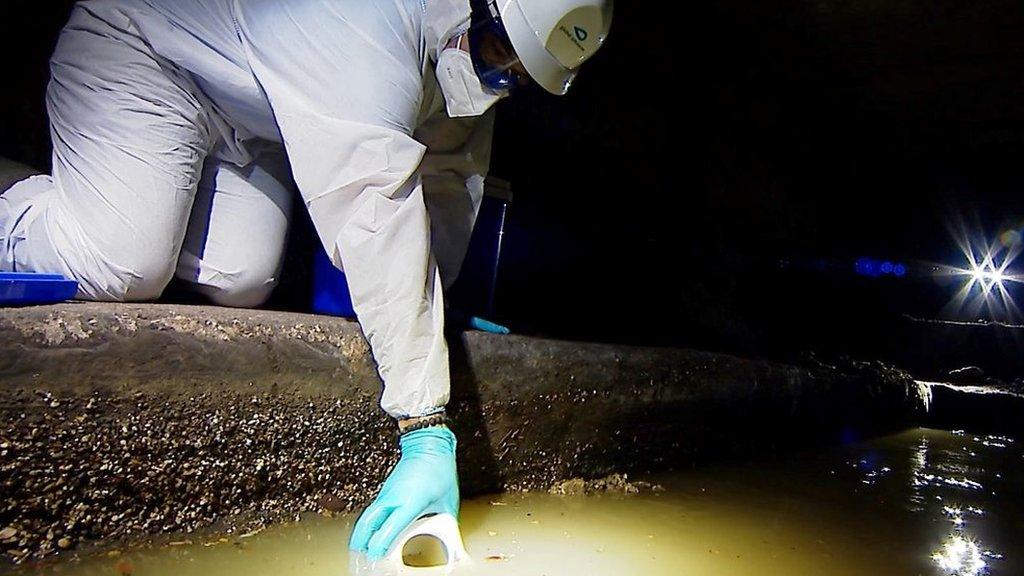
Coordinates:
x,y
80,470
611,484
81,475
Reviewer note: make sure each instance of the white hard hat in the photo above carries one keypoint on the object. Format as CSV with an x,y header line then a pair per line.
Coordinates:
x,y
554,37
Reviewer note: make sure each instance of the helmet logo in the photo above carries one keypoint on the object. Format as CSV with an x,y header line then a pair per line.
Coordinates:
x,y
576,36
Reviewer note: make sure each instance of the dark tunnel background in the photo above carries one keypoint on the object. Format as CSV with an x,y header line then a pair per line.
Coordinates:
x,y
718,169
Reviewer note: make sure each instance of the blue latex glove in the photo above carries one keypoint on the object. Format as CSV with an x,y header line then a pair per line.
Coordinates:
x,y
424,481
460,319
478,323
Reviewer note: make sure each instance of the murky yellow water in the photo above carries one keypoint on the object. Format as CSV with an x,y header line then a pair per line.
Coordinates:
x,y
923,502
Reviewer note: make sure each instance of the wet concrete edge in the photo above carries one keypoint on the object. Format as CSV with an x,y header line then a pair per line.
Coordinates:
x,y
980,409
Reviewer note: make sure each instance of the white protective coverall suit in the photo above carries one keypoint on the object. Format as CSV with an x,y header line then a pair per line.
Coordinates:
x,y
173,126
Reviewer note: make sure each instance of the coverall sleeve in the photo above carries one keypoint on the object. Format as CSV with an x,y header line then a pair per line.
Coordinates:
x,y
454,168
344,81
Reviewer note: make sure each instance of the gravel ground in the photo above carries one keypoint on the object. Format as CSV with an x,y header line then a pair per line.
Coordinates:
x,y
75,470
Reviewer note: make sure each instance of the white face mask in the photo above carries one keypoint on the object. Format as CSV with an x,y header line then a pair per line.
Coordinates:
x,y
464,95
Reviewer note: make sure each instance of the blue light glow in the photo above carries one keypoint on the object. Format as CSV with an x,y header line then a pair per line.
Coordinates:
x,y
874,268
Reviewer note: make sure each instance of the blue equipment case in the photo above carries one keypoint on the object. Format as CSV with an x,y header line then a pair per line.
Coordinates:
x,y
23,288
330,288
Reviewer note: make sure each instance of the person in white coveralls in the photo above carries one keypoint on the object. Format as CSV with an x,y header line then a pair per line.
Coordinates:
x,y
179,125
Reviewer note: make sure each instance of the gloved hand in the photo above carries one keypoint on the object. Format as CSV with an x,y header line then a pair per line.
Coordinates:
x,y
424,481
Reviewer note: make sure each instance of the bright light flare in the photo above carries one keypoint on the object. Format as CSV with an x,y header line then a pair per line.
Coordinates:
x,y
986,277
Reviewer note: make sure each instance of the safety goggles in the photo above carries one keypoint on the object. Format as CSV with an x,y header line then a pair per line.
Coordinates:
x,y
495,60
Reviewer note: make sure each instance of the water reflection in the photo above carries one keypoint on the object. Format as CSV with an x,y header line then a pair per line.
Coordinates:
x,y
918,464
959,556
950,480
955,514
933,480
961,553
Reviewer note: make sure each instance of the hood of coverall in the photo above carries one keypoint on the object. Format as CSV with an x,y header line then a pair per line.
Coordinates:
x,y
442,21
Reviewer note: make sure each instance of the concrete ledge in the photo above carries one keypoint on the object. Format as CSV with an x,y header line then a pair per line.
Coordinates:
x,y
12,172
126,420
979,409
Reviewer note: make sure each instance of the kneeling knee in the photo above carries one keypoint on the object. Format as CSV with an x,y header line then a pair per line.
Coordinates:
x,y
243,291
138,280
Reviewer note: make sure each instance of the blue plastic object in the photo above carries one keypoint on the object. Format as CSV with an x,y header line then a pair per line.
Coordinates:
x,y
330,288
477,323
22,288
